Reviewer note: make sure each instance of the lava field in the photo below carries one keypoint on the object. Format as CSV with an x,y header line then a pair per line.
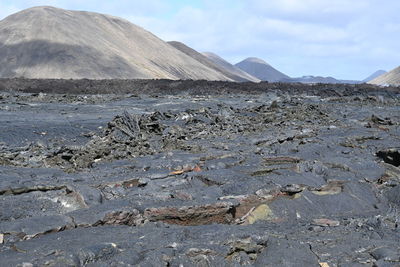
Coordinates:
x,y
197,173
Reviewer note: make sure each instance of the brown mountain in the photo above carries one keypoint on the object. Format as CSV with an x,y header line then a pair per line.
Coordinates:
x,y
48,42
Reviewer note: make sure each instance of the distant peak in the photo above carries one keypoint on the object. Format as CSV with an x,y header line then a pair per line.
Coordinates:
x,y
374,75
255,60
379,72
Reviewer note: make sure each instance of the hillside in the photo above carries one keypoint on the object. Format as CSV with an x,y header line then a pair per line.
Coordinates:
x,y
202,58
374,75
390,78
244,76
261,70
48,42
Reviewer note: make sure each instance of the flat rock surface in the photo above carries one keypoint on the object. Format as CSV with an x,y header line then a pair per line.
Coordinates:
x,y
254,179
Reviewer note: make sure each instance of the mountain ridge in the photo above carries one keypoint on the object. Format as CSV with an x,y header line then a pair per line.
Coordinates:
x,y
374,75
390,78
226,70
318,79
230,67
261,70
43,42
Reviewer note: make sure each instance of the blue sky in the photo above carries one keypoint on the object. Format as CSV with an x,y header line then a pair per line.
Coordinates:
x,y
346,39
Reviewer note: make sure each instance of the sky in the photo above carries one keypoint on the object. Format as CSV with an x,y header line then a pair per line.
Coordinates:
x,y
346,39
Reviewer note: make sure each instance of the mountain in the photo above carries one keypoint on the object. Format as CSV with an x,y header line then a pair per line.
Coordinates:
x,y
318,79
238,76
390,78
261,70
48,42
237,72
374,75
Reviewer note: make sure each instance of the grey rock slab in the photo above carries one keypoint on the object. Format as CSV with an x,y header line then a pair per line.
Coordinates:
x,y
393,195
35,203
89,194
387,254
335,205
97,214
287,254
34,226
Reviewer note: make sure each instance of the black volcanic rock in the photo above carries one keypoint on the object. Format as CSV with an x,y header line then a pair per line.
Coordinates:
x,y
198,173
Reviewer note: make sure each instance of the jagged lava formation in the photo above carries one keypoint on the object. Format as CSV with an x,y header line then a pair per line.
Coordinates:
x,y
196,173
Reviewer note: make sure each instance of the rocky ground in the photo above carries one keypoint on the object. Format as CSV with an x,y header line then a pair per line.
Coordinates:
x,y
264,175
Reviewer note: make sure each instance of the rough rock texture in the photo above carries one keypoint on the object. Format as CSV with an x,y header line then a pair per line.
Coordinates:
x,y
48,42
191,87
263,176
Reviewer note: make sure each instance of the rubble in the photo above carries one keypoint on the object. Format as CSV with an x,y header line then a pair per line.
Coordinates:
x,y
200,174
